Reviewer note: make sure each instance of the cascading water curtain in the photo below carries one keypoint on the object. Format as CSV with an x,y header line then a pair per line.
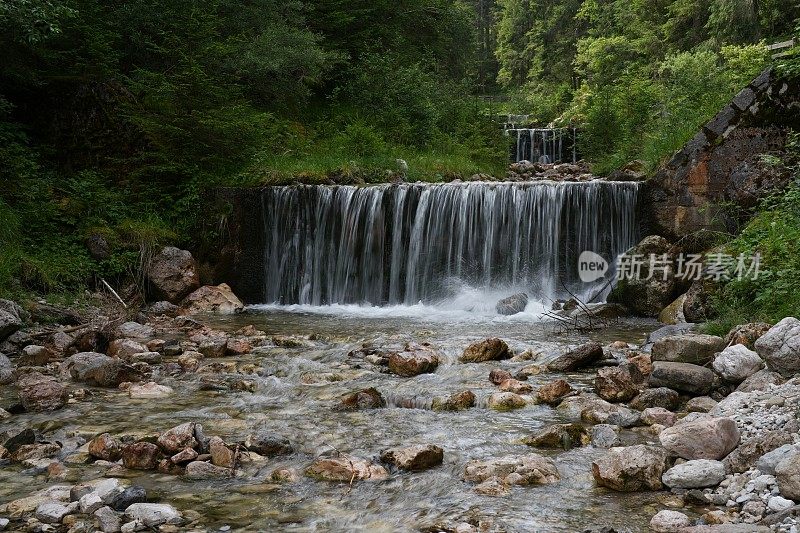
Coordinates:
x,y
544,145
402,244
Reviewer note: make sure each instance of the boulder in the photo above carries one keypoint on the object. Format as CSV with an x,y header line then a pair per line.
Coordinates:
x,y
710,438
492,349
769,461
505,401
105,447
125,348
345,469
364,399
99,369
51,512
515,386
7,372
663,397
530,469
184,456
692,348
163,308
580,357
746,334
683,377
605,435
658,415
701,404
41,393
214,347
152,515
618,383
497,376
513,304
647,294
697,306
140,456
761,380
178,438
35,355
787,472
149,391
667,521
218,300
558,436
631,468
221,454
414,458
136,331
737,363
414,360
455,402
695,474
202,470
16,439
673,313
757,448
573,406
552,393
780,347
602,412
107,520
172,275
268,444
12,317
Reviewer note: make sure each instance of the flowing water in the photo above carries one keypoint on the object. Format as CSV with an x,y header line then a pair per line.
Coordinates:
x,y
462,243
296,388
543,145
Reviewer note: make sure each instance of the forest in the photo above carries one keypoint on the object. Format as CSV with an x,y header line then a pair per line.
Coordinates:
x,y
116,118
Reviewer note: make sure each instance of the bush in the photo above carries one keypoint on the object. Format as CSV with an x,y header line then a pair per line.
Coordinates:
x,y
774,233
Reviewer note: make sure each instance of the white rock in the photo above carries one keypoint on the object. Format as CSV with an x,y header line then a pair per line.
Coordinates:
x,y
778,504
704,438
51,512
767,462
669,522
737,363
780,346
149,390
108,520
132,526
694,474
90,503
4,523
108,489
153,514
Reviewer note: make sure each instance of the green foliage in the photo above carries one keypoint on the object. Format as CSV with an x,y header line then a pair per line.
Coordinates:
x,y
649,116
117,118
639,77
774,234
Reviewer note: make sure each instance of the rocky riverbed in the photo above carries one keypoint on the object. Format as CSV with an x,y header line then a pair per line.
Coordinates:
x,y
282,419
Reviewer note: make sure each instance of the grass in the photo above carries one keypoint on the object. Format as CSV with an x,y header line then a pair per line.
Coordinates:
x,y
774,233
363,159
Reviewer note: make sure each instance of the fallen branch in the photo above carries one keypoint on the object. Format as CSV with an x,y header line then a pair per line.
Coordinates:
x,y
114,293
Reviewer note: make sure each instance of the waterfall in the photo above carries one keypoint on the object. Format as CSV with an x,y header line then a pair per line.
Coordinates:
x,y
543,145
402,244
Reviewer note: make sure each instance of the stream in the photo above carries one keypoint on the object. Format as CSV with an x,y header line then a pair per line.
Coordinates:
x,y
295,389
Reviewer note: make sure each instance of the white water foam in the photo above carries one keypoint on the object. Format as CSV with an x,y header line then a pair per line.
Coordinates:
x,y
470,304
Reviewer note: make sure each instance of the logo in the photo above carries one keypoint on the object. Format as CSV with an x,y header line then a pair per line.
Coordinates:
x,y
591,266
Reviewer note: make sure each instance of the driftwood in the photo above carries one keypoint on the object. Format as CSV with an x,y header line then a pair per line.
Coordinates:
x,y
114,293
587,320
